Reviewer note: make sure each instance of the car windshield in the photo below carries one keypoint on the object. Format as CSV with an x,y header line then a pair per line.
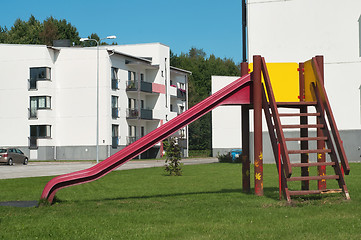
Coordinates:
x,y
2,150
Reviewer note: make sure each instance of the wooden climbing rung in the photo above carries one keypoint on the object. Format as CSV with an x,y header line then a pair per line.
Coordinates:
x,y
305,178
299,114
303,126
307,139
312,164
308,192
309,151
295,104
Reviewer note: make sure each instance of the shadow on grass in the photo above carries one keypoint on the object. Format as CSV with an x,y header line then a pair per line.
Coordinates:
x,y
222,191
271,193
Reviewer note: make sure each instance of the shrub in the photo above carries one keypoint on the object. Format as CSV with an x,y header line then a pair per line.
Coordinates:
x,y
173,166
224,158
227,158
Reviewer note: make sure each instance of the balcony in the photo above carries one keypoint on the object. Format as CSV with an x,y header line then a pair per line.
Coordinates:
x,y
115,113
132,113
32,113
181,94
132,85
173,91
131,139
115,84
33,143
115,141
146,114
145,86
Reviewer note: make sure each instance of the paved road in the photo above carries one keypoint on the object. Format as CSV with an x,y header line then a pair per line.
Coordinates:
x,y
39,169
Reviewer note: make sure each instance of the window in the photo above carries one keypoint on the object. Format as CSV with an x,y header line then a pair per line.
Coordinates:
x,y
40,131
114,72
132,103
142,77
142,131
182,86
115,110
40,102
132,131
114,102
40,73
131,76
115,134
141,104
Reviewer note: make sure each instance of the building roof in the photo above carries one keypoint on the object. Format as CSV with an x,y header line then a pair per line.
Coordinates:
x,y
179,70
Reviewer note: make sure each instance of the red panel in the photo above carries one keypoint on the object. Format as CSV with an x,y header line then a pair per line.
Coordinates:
x,y
158,88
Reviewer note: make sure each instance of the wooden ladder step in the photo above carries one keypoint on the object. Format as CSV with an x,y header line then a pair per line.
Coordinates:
x,y
309,151
312,164
303,126
305,178
307,139
299,114
308,192
295,104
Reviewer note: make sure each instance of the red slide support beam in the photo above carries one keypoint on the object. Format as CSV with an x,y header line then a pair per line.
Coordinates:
x,y
238,92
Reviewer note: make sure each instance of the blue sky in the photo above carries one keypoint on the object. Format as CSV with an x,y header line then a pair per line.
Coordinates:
x,y
213,25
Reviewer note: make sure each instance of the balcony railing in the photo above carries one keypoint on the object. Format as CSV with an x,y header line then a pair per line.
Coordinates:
x,y
115,84
132,85
131,139
146,114
115,141
132,113
115,113
33,143
32,113
145,86
181,94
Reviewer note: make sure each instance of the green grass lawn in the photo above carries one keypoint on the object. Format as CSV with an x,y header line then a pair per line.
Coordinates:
x,y
205,203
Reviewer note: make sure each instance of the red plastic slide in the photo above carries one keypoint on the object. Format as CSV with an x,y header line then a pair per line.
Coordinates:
x,y
238,92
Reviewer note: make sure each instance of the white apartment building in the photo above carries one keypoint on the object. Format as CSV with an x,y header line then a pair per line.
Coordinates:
x,y
294,31
49,98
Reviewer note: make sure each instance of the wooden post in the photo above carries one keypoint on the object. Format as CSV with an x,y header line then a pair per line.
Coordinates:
x,y
305,185
246,182
321,144
257,115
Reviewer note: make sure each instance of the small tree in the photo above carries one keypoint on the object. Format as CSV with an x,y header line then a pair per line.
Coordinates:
x,y
173,166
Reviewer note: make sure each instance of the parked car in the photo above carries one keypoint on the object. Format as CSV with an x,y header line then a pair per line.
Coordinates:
x,y
13,155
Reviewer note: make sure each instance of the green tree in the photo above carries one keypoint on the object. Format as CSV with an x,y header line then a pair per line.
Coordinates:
x,y
3,34
172,150
199,87
49,32
35,32
25,32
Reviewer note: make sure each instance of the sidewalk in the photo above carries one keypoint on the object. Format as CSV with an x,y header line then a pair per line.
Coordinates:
x,y
40,169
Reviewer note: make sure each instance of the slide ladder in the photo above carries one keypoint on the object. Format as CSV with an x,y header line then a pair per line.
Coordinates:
x,y
237,92
329,135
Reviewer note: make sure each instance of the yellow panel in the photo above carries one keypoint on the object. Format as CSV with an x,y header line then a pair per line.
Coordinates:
x,y
284,80
309,78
